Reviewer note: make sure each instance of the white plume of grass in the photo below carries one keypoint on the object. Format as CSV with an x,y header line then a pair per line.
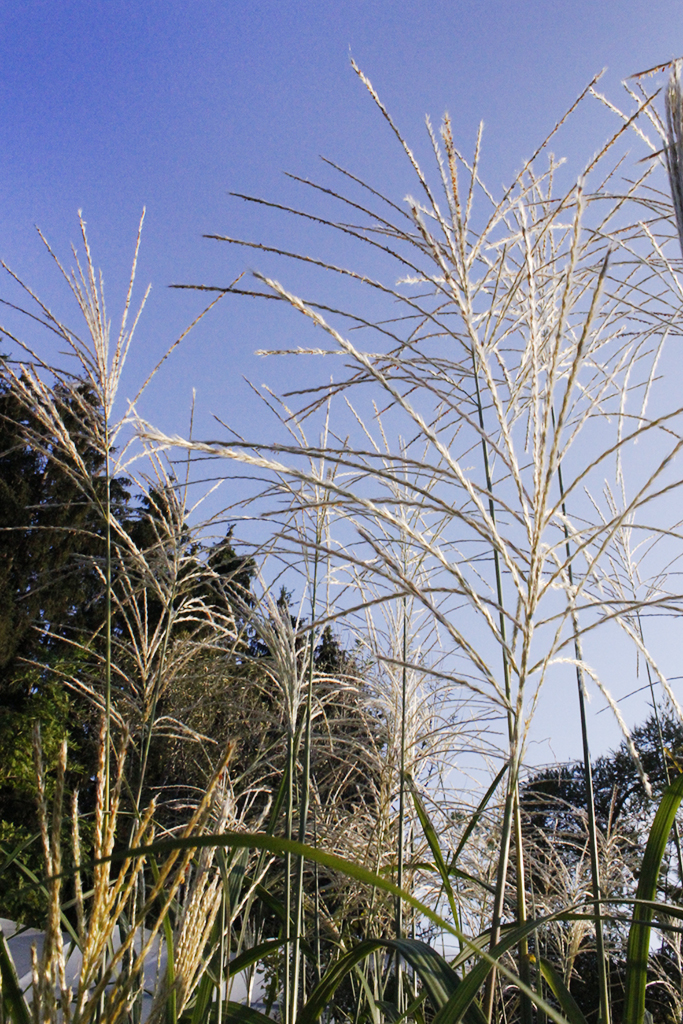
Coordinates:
x,y
525,337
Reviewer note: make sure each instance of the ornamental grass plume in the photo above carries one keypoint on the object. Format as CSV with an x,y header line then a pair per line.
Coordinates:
x,y
119,905
75,421
489,395
517,345
159,611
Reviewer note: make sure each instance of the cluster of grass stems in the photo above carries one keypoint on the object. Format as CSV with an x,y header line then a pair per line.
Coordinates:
x,y
495,490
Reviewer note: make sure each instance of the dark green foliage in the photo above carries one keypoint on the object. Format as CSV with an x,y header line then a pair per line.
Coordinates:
x,y
51,530
48,704
553,798
51,595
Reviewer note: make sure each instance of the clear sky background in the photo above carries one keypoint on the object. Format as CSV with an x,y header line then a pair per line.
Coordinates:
x,y
108,106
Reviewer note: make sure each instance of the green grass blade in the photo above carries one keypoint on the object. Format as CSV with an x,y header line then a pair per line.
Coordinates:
x,y
481,807
281,846
414,1007
438,979
200,1006
277,845
253,955
467,877
15,1007
203,998
240,1013
420,865
460,1002
375,1012
568,1004
435,973
434,845
236,876
639,934
333,977
479,945
391,1011
669,909
41,887
16,852
171,995
171,1012
275,906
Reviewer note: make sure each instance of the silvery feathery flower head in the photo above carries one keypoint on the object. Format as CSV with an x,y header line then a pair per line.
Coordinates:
x,y
674,142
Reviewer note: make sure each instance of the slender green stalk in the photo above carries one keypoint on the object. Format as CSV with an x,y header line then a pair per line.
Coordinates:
x,y
306,781
511,816
108,649
227,913
288,881
107,625
221,962
603,976
316,898
673,152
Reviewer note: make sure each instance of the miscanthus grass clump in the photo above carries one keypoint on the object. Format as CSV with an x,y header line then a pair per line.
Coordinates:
x,y
490,495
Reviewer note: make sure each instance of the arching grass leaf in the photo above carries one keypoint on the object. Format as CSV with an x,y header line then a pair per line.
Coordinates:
x,y
15,1008
564,997
639,934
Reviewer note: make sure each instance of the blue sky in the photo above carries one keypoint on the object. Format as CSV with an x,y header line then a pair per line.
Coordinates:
x,y
108,106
